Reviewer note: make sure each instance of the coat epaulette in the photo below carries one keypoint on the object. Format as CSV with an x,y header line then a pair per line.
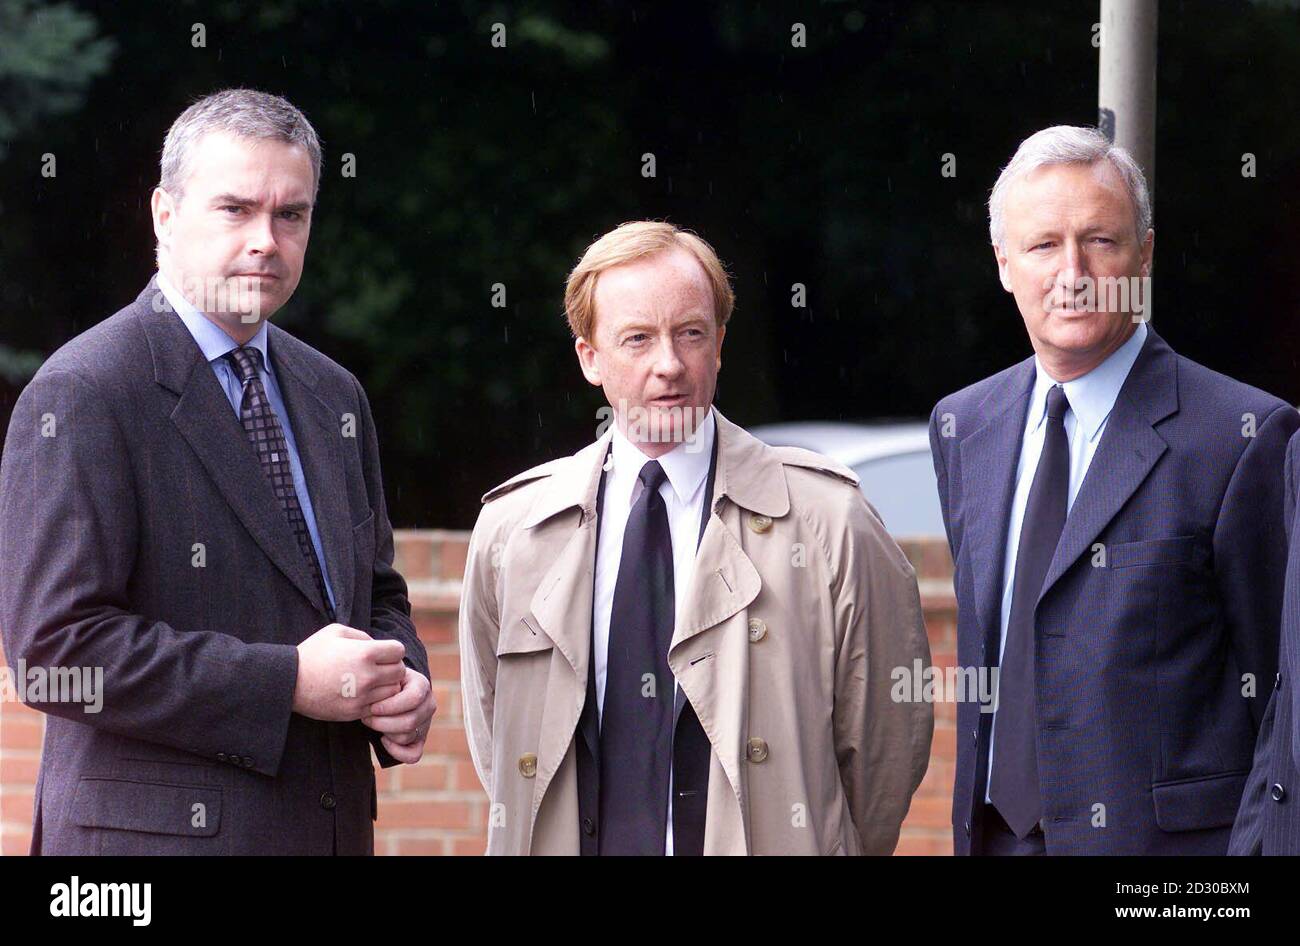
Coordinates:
x,y
536,473
798,456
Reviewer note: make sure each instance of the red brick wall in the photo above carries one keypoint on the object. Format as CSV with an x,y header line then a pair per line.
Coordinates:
x,y
21,731
928,828
438,806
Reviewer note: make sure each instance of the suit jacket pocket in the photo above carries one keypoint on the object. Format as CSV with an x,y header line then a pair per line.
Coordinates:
x,y
151,807
1170,551
1195,804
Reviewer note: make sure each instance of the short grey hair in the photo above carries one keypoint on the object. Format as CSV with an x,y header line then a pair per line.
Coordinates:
x,y
245,113
1070,144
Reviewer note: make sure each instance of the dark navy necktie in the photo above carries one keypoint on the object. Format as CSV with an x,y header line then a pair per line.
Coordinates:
x,y
1013,786
267,437
636,736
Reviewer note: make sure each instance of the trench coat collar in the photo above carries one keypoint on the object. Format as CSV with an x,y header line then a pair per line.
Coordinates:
x,y
749,474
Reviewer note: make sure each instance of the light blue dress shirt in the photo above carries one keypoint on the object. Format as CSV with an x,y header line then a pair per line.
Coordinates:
x,y
1091,397
214,343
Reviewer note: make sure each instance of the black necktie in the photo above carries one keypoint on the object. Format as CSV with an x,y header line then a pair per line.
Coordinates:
x,y
267,437
1013,786
636,734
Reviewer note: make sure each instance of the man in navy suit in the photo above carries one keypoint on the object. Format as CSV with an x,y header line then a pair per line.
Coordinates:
x,y
1114,512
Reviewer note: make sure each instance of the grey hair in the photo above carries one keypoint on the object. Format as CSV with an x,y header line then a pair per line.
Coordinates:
x,y
245,113
1070,144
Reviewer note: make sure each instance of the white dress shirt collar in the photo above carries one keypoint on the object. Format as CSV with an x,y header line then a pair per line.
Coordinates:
x,y
1092,396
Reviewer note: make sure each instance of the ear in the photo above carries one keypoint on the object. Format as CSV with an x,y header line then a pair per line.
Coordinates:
x,y
722,333
588,360
164,211
1003,275
1148,252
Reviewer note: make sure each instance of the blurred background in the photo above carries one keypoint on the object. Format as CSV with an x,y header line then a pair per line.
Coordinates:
x,y
479,164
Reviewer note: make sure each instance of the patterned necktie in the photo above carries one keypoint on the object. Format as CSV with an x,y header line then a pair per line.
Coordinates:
x,y
636,735
1013,786
267,437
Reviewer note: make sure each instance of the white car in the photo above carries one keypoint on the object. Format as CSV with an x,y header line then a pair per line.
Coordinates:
x,y
891,459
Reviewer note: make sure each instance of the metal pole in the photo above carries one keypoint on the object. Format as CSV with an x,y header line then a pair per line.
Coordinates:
x,y
1126,86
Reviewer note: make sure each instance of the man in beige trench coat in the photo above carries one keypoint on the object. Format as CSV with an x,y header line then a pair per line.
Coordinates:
x,y
768,726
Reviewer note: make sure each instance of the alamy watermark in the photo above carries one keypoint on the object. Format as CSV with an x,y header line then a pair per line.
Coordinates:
x,y
1130,294
242,294
77,899
24,684
921,684
676,424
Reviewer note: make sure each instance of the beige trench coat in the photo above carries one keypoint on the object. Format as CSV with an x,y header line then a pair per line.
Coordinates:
x,y
800,608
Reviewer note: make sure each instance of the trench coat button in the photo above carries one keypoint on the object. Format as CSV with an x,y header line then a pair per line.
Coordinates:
x,y
1278,793
757,630
327,801
221,757
528,765
248,763
588,826
759,523
757,750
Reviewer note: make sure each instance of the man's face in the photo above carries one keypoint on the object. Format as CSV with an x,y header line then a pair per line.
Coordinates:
x,y
1068,227
234,242
657,348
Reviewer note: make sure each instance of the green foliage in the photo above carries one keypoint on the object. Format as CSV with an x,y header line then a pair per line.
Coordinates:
x,y
49,53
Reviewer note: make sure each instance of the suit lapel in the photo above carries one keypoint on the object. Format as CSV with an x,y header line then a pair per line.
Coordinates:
x,y
203,416
317,430
991,454
1129,449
